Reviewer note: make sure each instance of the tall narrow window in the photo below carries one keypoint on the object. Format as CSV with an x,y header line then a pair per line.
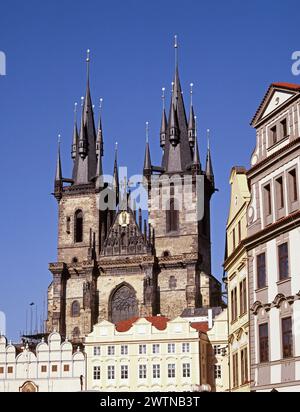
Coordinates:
x,y
235,364
75,308
273,132
186,370
110,372
68,224
287,337
142,371
156,371
244,366
172,216
124,371
284,130
264,343
171,370
261,270
240,231
268,200
293,185
233,239
279,193
283,257
96,374
234,304
78,223
241,298
244,295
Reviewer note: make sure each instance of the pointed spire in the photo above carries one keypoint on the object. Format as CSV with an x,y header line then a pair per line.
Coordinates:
x,y
196,158
164,125
82,142
99,141
58,183
75,134
209,168
173,126
147,161
191,123
116,187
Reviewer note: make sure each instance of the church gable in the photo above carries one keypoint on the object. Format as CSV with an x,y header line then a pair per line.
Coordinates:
x,y
125,236
276,96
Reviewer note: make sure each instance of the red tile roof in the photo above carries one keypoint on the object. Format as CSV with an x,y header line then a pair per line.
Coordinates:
x,y
159,322
292,86
200,326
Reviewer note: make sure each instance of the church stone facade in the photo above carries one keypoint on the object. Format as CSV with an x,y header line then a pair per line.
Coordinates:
x,y
113,265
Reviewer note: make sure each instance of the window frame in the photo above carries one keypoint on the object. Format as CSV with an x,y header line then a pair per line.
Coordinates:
x,y
264,344
280,258
289,334
258,267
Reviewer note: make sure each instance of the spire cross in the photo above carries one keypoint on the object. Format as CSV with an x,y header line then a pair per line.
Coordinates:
x,y
208,139
147,132
163,97
191,85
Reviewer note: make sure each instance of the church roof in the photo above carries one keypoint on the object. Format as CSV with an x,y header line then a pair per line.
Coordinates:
x,y
159,322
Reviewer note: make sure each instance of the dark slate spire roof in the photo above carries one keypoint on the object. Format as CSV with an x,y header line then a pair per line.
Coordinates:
x,y
191,126
164,123
85,162
177,157
196,158
147,161
99,141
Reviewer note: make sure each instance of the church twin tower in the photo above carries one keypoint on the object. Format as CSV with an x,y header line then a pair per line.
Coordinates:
x,y
112,265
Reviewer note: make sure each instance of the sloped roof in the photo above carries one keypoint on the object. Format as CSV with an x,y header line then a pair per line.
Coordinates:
x,y
159,322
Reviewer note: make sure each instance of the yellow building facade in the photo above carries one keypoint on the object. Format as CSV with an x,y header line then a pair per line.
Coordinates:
x,y
147,355
235,266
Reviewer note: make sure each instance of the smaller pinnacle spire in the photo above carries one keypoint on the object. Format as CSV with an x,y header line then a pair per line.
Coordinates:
x,y
196,158
209,168
191,122
58,184
147,160
82,142
116,186
173,126
75,134
164,125
88,59
99,140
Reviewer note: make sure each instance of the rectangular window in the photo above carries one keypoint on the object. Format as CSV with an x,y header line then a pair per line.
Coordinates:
x,y
171,370
185,347
243,297
264,343
124,349
66,368
10,369
156,371
142,349
287,337
283,257
124,371
268,200
68,225
284,129
233,239
234,305
235,375
273,132
43,368
54,368
293,185
261,270
217,349
186,370
97,351
244,366
111,372
111,350
155,348
218,372
1,369
279,193
96,373
171,347
239,231
143,371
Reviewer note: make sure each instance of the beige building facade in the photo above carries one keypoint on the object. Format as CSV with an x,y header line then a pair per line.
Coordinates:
x,y
273,242
235,267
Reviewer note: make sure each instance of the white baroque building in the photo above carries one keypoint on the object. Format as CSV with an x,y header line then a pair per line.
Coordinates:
x,y
51,366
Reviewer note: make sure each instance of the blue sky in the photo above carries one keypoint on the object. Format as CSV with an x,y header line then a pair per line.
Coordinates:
x,y
230,50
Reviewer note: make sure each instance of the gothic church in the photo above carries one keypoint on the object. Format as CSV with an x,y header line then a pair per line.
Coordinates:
x,y
112,265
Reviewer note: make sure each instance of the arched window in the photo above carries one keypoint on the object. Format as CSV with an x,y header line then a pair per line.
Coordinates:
x,y
75,308
76,332
78,226
172,216
123,304
172,282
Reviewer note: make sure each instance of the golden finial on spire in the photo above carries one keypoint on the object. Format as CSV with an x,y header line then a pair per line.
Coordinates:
x,y
147,132
191,86
208,138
